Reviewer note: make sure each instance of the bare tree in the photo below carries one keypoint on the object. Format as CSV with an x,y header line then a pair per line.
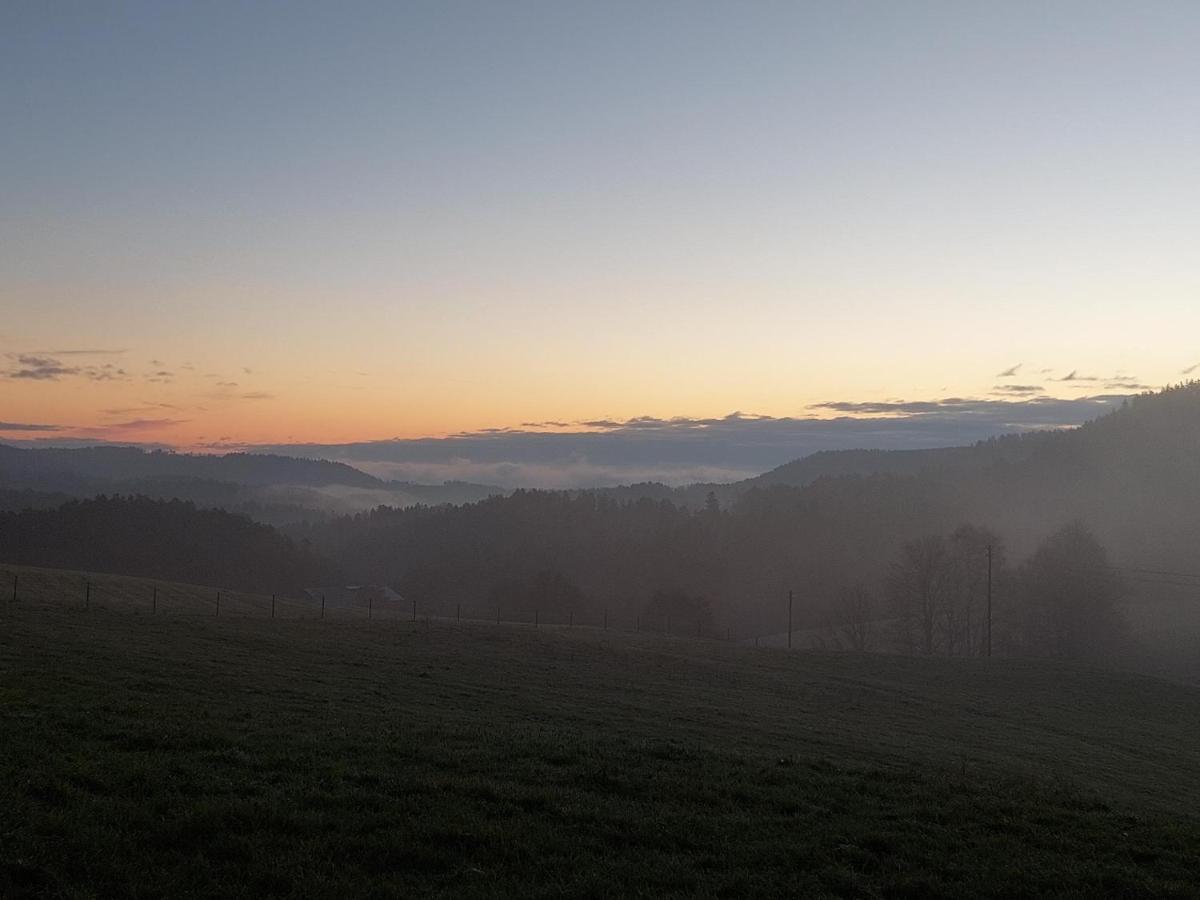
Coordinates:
x,y
918,586
964,622
852,618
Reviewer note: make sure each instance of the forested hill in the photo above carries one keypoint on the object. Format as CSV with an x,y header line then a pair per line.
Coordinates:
x,y
167,539
128,463
1132,477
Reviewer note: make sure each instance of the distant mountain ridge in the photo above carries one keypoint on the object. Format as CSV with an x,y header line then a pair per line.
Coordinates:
x,y
116,463
268,487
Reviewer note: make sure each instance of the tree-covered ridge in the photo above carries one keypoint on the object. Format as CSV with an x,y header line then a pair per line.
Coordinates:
x,y
167,539
122,463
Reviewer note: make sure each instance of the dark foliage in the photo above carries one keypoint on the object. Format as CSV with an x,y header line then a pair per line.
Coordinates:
x,y
169,539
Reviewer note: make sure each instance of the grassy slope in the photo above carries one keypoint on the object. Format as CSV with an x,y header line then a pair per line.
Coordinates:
x,y
39,588
160,756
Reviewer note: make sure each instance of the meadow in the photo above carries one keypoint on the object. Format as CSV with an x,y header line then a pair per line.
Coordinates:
x,y
166,754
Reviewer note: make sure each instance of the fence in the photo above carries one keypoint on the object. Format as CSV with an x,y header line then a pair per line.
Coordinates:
x,y
31,588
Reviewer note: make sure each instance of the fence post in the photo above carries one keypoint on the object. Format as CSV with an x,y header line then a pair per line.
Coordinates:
x,y
322,606
370,605
272,606
154,602
414,610
497,615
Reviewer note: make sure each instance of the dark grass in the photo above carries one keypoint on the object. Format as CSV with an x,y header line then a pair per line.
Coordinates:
x,y
237,757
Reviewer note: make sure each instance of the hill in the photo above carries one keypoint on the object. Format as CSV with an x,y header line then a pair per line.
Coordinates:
x,y
144,756
1132,477
168,539
269,488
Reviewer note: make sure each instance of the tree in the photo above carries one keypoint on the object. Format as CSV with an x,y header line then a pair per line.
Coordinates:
x,y
852,618
1069,597
918,586
964,619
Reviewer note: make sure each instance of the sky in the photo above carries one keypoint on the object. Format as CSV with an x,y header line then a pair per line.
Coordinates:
x,y
228,225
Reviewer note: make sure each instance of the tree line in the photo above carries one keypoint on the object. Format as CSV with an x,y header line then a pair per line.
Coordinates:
x,y
957,595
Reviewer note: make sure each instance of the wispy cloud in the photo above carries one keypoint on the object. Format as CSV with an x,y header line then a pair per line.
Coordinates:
x,y
147,407
1074,375
28,426
1019,389
140,425
82,352
1190,369
40,367
1011,372
1127,386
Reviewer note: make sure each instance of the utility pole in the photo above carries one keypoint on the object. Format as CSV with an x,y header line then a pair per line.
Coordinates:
x,y
989,603
789,620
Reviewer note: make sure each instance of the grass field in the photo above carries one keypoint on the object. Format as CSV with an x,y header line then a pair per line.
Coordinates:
x,y
154,756
37,588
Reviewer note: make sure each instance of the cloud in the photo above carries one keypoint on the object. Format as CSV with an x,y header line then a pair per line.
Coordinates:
x,y
28,426
42,367
85,352
145,408
674,450
1017,389
1074,375
140,425
1190,369
1031,412
1009,373
1127,386
257,395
